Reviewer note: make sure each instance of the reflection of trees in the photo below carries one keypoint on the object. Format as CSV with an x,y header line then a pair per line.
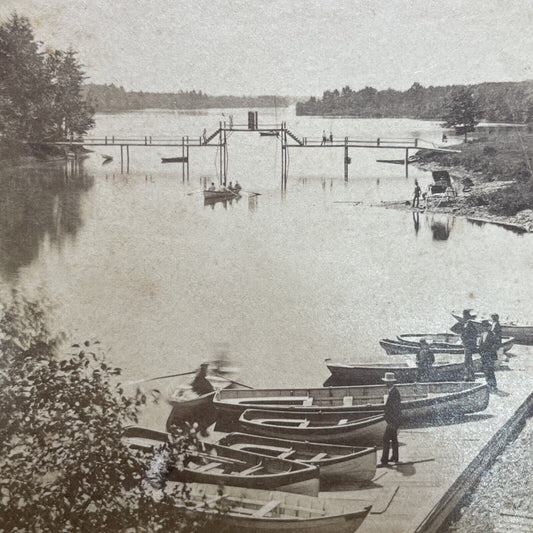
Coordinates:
x,y
36,203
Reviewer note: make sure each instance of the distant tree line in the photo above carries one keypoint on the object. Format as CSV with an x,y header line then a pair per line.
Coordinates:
x,y
500,102
40,92
110,98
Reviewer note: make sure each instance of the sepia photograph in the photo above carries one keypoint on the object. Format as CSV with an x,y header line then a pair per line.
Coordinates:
x,y
266,266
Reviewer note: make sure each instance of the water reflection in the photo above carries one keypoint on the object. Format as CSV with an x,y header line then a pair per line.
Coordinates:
x,y
416,221
38,203
441,230
224,202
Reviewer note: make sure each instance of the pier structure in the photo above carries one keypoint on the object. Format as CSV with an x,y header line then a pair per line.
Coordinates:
x,y
219,139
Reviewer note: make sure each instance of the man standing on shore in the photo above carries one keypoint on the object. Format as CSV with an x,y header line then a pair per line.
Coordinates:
x,y
469,338
393,415
416,197
487,351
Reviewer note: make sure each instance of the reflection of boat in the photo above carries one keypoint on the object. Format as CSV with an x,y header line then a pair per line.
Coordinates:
x,y
224,201
522,334
174,159
356,463
268,133
254,510
419,400
357,427
445,342
223,465
405,371
107,157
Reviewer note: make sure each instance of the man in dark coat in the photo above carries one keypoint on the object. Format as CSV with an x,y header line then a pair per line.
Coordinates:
x,y
496,328
469,338
424,361
200,384
393,415
488,352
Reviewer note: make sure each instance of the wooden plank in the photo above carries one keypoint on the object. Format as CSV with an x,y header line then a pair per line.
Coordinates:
x,y
319,456
208,466
251,470
267,508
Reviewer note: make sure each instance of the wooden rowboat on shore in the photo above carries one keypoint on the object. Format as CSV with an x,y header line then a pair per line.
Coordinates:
x,y
354,463
362,428
405,371
521,333
222,465
254,510
445,342
420,401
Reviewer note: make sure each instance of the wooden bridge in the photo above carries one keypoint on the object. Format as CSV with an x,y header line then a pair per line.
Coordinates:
x,y
219,139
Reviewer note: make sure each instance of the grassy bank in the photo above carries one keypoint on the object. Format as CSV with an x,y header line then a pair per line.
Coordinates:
x,y
490,159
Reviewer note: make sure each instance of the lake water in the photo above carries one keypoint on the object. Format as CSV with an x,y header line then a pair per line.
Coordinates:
x,y
280,280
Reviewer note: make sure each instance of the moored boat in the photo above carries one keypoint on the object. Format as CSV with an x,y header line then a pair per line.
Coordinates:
x,y
420,401
362,428
222,194
354,463
395,347
445,342
521,333
405,371
254,510
223,465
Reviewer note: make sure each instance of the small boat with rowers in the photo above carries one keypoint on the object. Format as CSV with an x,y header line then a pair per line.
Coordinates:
x,y
223,192
254,510
354,463
420,401
360,427
214,463
521,333
405,371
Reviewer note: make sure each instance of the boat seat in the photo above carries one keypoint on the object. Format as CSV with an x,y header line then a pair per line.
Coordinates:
x,y
307,402
342,421
303,424
286,454
319,457
208,466
347,401
251,470
267,508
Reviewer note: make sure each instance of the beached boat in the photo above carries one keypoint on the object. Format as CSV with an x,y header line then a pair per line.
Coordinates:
x,y
354,463
224,194
445,342
405,371
396,347
223,465
362,428
174,159
253,510
420,401
521,333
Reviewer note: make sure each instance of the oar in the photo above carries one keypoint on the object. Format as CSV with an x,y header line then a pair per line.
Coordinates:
x,y
251,193
162,377
195,192
229,190
232,381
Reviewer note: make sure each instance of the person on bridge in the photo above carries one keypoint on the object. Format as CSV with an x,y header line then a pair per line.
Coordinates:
x,y
331,137
393,415
204,136
416,197
324,138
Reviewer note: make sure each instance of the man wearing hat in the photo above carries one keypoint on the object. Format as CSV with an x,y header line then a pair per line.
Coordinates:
x,y
201,384
488,352
393,415
469,338
424,361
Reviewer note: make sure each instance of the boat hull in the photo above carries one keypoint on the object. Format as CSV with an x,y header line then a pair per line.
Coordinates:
x,y
521,334
222,195
446,342
420,401
289,513
340,462
404,372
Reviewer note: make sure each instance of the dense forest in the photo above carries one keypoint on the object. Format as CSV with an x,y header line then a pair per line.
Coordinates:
x,y
110,98
40,92
500,102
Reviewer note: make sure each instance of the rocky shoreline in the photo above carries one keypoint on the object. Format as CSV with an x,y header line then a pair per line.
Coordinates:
x,y
459,206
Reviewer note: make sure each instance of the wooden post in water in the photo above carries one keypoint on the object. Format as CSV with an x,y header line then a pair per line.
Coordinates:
x,y
283,157
346,159
127,158
121,159
182,159
407,162
187,155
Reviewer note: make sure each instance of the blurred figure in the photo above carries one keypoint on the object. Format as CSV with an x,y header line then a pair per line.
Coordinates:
x,y
393,415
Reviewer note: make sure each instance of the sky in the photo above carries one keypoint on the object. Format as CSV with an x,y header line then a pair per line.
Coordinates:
x,y
288,47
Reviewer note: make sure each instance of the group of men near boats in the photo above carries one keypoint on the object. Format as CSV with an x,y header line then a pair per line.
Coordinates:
x,y
488,342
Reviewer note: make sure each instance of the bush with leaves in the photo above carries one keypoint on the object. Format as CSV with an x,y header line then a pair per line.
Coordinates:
x,y
63,466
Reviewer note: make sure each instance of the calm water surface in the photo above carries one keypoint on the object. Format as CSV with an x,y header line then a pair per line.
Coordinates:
x,y
281,280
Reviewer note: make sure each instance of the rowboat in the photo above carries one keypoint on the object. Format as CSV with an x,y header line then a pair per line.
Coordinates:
x,y
223,465
354,463
189,406
405,371
396,347
363,428
254,510
446,342
174,159
522,334
221,194
420,401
